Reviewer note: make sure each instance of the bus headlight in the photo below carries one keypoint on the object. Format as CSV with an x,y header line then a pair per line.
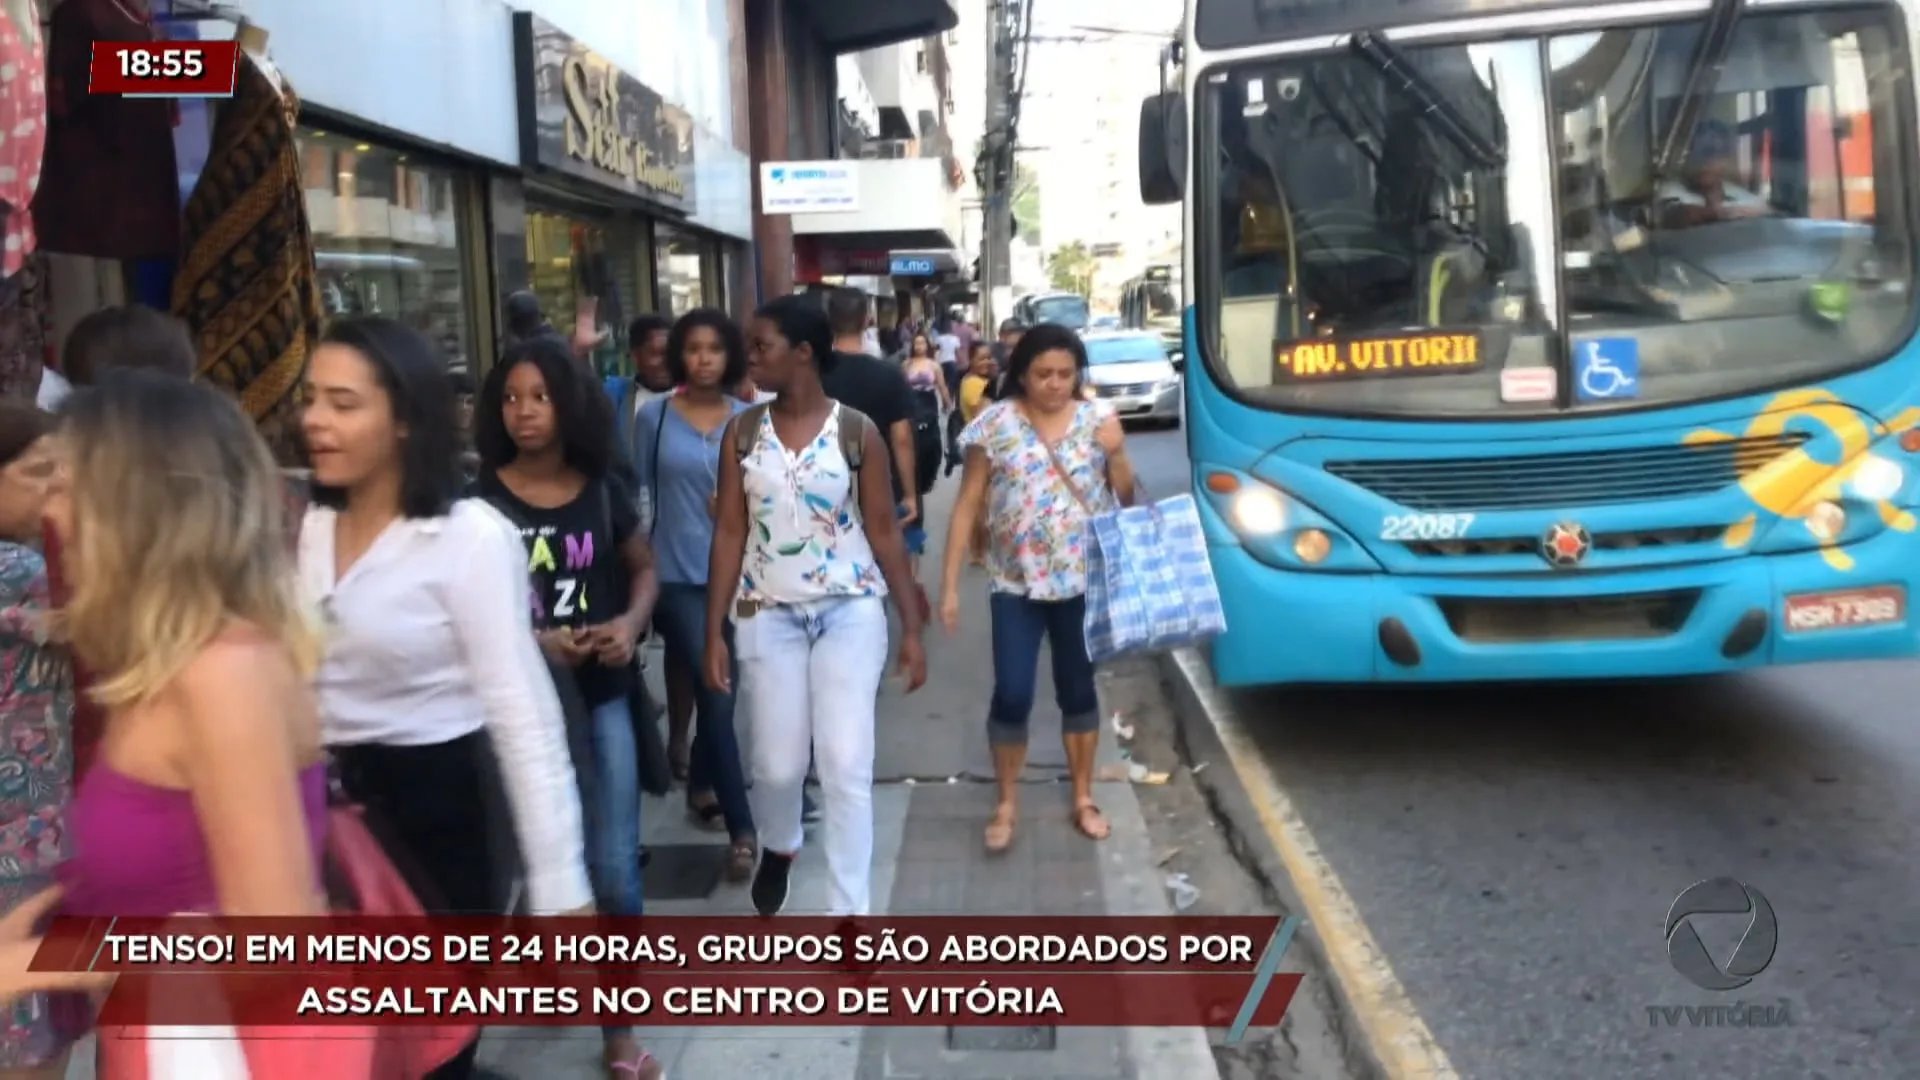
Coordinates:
x,y
1311,546
1826,521
1878,479
1258,511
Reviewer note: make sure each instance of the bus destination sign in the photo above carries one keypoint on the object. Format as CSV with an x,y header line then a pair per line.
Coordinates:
x,y
1435,352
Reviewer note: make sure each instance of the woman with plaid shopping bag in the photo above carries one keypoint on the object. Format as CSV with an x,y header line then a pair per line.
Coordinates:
x,y
1040,464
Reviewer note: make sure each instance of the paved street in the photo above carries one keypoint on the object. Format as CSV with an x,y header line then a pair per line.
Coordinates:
x,y
1489,871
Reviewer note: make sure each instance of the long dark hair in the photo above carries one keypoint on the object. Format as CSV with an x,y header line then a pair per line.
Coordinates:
x,y
21,425
730,340
1043,338
585,439
413,372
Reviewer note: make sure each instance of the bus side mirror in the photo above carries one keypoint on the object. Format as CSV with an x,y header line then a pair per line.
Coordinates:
x,y
1163,149
1179,362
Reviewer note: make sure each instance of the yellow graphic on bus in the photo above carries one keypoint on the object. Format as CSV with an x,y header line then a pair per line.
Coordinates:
x,y
1793,483
1321,359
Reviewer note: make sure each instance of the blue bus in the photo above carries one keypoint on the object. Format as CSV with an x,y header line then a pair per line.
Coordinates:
x,y
1530,339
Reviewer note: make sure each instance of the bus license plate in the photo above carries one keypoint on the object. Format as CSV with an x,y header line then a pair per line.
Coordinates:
x,y
1846,607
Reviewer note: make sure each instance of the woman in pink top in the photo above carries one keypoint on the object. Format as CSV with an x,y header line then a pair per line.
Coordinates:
x,y
208,794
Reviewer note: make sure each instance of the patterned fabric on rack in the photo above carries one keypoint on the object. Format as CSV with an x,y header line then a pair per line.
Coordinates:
x,y
23,127
24,328
247,286
1149,584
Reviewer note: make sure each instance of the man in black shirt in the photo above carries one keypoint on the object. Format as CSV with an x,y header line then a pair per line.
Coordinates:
x,y
879,389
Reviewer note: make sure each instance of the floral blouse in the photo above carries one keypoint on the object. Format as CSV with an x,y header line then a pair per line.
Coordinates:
x,y
805,540
36,711
1036,528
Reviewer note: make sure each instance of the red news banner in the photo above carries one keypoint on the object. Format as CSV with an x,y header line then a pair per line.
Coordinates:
x,y
664,970
173,69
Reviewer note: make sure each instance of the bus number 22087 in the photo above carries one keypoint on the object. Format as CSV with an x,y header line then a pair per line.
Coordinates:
x,y
1405,527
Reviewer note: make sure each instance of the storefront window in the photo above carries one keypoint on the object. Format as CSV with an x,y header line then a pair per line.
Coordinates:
x,y
572,259
387,238
683,259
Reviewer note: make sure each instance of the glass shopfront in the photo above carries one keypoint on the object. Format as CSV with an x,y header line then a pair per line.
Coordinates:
x,y
687,266
388,238
575,260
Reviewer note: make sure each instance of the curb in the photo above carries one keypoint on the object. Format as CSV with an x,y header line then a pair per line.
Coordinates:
x,y
1199,742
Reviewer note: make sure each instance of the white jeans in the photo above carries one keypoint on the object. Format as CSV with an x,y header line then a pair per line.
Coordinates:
x,y
810,679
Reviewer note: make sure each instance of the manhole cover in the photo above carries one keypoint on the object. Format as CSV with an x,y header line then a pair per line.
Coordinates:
x,y
683,871
1001,1040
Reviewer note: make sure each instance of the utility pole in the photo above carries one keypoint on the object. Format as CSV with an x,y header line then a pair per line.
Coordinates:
x,y
994,169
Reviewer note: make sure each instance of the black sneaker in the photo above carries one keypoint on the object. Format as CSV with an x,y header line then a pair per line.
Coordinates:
x,y
809,810
769,889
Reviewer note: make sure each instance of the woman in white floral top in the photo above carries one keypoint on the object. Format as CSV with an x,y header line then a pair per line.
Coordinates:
x,y
807,527
1039,464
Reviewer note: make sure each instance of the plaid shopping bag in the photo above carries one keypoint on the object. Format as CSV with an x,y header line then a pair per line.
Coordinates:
x,y
1149,584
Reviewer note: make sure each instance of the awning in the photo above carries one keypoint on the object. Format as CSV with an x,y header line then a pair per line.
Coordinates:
x,y
848,26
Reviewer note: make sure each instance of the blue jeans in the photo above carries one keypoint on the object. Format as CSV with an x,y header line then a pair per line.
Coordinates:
x,y
812,677
713,761
613,827
1019,625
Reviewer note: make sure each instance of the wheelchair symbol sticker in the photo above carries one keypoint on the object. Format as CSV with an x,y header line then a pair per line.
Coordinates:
x,y
1607,368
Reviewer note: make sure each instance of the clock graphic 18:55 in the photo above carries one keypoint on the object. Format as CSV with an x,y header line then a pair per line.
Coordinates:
x,y
153,64
164,68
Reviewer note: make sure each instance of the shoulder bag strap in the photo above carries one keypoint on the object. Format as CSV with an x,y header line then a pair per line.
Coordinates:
x,y
853,437
653,462
746,430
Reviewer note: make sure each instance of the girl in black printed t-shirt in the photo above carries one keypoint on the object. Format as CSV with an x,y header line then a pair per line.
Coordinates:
x,y
545,466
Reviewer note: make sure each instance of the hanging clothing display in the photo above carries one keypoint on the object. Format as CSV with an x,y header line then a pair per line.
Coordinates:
x,y
24,324
246,285
23,124
109,185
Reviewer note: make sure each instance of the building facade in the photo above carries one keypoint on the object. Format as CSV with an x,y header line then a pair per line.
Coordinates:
x,y
459,151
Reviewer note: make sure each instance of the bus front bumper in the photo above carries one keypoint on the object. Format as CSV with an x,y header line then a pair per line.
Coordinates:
x,y
1294,627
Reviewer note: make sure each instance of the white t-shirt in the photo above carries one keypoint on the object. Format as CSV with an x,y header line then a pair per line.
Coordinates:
x,y
949,346
870,343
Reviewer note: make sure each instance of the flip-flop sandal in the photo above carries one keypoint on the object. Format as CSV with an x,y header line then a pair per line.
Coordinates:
x,y
742,857
999,835
1080,822
644,1067
709,817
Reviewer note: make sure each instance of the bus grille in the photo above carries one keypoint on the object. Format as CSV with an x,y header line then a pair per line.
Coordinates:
x,y
1530,545
1489,621
1585,478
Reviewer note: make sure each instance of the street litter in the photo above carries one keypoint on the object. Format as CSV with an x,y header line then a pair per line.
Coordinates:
x,y
1111,772
1181,888
1196,769
1168,857
1120,726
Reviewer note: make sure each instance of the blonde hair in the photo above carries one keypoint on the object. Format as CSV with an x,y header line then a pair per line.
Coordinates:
x,y
179,530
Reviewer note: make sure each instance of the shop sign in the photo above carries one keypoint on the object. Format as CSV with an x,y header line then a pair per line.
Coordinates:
x,y
912,266
809,187
583,116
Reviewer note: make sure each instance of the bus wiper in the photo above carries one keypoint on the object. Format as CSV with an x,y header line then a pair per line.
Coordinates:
x,y
1703,74
1403,79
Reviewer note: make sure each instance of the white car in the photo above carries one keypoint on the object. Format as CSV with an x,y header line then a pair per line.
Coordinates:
x,y
1131,369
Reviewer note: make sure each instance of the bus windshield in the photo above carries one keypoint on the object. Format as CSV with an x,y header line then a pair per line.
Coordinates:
x,y
1364,259
1064,310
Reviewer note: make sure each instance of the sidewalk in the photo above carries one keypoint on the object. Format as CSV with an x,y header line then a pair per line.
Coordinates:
x,y
933,794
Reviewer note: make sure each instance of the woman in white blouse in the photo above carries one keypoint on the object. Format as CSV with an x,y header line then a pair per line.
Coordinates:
x,y
430,667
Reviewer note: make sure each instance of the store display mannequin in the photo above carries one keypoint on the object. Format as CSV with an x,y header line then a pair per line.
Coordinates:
x,y
109,184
